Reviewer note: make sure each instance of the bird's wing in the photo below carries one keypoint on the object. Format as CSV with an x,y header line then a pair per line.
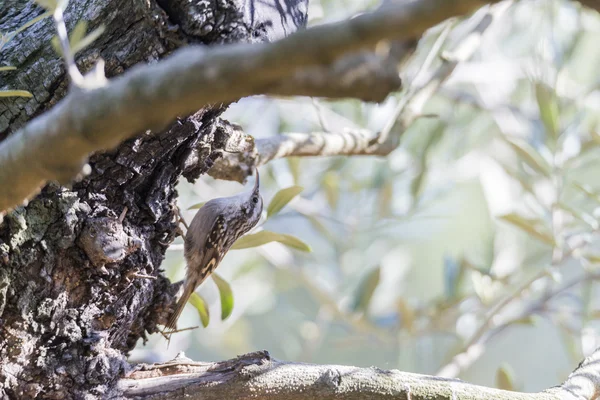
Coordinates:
x,y
203,244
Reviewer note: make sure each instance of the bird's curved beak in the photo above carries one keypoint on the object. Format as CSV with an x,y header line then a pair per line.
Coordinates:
x,y
256,182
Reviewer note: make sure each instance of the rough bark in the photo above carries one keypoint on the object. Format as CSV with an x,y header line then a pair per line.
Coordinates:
x,y
75,295
80,282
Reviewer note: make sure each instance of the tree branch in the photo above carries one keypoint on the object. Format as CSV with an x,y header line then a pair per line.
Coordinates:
x,y
360,142
258,376
55,145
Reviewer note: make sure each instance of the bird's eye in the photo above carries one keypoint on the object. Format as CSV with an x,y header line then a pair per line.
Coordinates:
x,y
255,200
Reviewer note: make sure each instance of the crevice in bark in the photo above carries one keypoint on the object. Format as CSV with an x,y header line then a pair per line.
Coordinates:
x,y
80,278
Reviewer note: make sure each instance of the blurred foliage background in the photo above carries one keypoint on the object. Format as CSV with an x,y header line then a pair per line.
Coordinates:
x,y
471,251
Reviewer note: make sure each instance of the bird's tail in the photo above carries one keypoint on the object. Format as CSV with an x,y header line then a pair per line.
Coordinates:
x,y
172,323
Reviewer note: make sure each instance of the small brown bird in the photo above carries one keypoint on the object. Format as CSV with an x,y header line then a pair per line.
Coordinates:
x,y
215,227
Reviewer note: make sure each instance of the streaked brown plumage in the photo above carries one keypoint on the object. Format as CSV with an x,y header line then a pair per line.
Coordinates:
x,y
215,227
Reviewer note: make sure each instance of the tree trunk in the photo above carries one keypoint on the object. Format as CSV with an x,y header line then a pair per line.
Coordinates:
x,y
80,279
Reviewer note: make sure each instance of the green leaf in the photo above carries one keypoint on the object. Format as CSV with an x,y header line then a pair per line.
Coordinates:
x,y
505,378
226,295
198,302
416,184
77,40
51,5
87,40
15,93
532,226
584,217
587,190
548,106
529,155
264,237
197,205
386,196
294,166
5,38
55,42
281,198
365,290
8,68
78,33
331,186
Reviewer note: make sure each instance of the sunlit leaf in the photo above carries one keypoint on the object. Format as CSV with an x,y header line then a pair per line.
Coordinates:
x,y
51,5
331,187
586,218
407,314
197,205
226,295
505,378
87,40
529,155
532,226
77,42
9,36
587,190
595,137
548,106
264,237
416,185
15,93
78,32
200,305
386,195
529,320
55,42
294,166
282,198
518,176
366,288
593,258
8,68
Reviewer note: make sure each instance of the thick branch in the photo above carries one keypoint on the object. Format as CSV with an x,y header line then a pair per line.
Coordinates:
x,y
258,376
358,142
55,144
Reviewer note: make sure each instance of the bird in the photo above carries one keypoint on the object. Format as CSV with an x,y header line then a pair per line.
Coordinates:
x,y
214,229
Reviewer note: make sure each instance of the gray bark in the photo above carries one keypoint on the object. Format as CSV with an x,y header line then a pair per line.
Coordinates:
x,y
73,299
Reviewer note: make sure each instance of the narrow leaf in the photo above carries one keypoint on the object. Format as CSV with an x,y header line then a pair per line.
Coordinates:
x,y
386,195
282,197
548,106
15,93
198,302
226,295
294,166
365,290
580,215
529,155
31,22
331,186
587,190
504,378
78,33
197,205
55,42
87,40
531,226
264,237
8,68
